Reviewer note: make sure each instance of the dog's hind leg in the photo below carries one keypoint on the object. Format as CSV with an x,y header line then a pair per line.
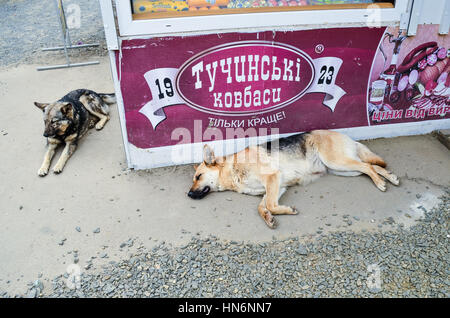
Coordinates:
x,y
272,185
377,163
43,170
95,106
341,154
339,163
69,149
368,156
392,178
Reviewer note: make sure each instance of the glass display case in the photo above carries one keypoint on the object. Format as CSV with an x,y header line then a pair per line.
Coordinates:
x,y
152,17
151,9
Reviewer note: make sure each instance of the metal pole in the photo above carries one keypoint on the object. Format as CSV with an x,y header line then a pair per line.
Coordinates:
x,y
66,41
54,67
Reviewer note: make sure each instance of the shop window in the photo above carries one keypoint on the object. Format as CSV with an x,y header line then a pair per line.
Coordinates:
x,y
148,9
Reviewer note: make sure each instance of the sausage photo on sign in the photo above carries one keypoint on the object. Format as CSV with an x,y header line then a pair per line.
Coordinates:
x,y
419,77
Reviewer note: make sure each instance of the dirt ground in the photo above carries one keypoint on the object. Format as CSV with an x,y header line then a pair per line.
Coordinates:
x,y
96,190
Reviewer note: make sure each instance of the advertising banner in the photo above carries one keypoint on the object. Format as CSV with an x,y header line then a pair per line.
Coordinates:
x,y
181,91
410,79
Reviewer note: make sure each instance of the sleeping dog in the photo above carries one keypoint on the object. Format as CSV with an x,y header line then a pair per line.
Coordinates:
x,y
68,119
268,169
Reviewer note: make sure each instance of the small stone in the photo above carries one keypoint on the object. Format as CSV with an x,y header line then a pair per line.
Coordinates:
x,y
78,229
39,284
32,293
301,250
97,230
109,289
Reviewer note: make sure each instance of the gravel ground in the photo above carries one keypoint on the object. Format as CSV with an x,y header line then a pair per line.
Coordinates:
x,y
410,262
27,26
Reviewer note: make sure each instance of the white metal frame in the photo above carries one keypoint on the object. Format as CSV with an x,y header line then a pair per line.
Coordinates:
x,y
429,12
130,27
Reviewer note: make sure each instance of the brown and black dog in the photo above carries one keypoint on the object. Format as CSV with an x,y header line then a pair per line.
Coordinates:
x,y
68,119
268,169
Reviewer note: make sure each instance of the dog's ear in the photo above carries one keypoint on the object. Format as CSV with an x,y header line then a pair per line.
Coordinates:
x,y
67,110
195,167
208,156
41,106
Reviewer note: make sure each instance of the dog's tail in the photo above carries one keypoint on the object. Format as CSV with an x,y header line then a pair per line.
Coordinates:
x,y
108,98
368,156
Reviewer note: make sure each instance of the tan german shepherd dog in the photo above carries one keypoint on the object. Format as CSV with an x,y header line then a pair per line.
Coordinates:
x,y
268,169
68,120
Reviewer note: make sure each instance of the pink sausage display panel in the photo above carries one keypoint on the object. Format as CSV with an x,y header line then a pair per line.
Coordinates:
x,y
410,80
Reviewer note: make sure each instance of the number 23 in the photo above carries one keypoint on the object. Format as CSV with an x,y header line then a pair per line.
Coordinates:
x,y
323,72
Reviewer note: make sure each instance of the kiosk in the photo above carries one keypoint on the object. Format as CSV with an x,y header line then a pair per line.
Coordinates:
x,y
236,72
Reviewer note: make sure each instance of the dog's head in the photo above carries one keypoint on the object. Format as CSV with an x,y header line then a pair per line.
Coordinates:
x,y
206,177
58,118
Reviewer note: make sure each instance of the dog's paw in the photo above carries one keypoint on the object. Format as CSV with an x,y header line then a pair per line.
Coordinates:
x,y
270,221
101,123
394,179
42,172
57,169
273,224
382,186
294,211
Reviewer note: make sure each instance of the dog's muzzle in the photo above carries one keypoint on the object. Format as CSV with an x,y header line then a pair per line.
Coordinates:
x,y
49,134
199,194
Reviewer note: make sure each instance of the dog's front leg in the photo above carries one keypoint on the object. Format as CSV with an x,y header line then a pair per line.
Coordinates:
x,y
69,149
43,170
272,184
266,215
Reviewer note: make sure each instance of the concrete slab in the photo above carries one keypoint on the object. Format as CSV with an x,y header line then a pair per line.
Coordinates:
x,y
97,191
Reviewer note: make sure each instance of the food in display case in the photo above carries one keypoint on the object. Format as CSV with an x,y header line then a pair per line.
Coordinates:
x,y
153,6
159,6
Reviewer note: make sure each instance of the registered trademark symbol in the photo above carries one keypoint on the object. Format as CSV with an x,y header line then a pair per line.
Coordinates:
x,y
319,48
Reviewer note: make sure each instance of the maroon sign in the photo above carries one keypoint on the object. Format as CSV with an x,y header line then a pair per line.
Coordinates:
x,y
290,81
245,78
